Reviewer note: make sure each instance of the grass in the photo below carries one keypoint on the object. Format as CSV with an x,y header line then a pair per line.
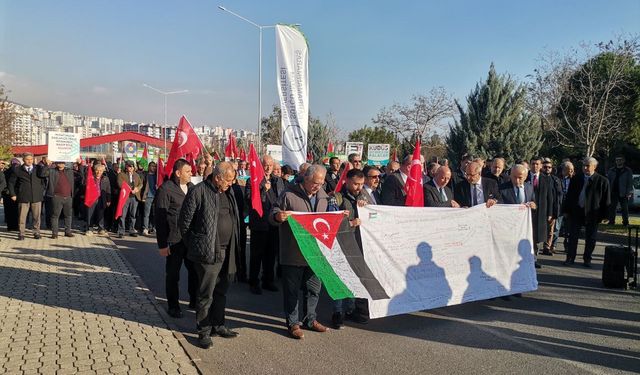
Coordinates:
x,y
618,228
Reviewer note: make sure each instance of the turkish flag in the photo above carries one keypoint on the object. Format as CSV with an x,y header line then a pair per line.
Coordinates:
x,y
216,156
122,199
256,172
323,226
185,142
243,154
413,187
330,149
343,177
160,173
92,191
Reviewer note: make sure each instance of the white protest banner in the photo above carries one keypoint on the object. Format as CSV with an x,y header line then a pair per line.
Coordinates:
x,y
64,146
292,63
426,258
354,148
275,151
378,154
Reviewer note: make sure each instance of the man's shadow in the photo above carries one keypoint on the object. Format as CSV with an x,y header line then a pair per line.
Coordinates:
x,y
525,275
427,286
480,284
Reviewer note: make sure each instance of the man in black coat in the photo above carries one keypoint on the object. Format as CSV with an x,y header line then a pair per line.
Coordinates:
x,y
263,235
436,191
556,191
209,222
542,216
393,193
475,190
167,204
459,175
497,171
517,190
586,205
26,187
60,189
333,175
10,206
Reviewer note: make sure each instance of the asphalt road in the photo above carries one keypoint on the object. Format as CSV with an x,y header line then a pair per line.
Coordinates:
x,y
571,325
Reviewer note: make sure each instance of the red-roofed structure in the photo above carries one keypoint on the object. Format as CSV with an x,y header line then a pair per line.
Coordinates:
x,y
95,141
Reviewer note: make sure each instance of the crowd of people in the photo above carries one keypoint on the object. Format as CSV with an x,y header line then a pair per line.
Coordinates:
x,y
205,225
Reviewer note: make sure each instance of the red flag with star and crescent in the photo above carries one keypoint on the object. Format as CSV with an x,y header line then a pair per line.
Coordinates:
x,y
413,187
256,172
185,142
323,226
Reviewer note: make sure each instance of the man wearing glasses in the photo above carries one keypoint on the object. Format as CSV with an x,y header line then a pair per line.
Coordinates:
x,y
371,185
356,161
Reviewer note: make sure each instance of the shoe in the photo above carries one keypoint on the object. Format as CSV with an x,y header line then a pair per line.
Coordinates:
x,y
255,289
316,326
568,262
225,332
88,233
357,318
120,235
133,234
69,234
547,253
587,264
337,320
537,265
54,236
145,232
20,237
175,313
37,236
102,232
204,341
270,287
152,231
296,332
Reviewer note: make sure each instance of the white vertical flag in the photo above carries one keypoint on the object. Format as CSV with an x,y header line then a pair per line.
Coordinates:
x,y
292,63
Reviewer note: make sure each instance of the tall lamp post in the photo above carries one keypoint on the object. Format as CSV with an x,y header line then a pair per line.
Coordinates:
x,y
260,27
165,94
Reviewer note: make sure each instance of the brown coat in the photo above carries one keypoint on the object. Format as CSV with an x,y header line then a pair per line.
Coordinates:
x,y
294,198
123,178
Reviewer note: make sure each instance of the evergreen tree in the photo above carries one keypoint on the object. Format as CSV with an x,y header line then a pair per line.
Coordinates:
x,y
495,122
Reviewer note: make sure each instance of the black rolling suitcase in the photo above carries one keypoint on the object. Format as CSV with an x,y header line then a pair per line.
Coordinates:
x,y
621,264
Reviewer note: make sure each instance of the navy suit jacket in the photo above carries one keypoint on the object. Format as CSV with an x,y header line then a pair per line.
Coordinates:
x,y
508,193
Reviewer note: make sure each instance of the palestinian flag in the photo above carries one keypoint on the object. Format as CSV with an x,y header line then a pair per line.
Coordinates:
x,y
143,162
331,250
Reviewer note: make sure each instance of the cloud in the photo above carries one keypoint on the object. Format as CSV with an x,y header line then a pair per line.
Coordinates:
x,y
99,90
3,74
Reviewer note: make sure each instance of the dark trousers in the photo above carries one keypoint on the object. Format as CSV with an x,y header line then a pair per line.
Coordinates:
x,y
295,278
172,276
95,215
47,205
10,212
130,211
263,254
213,282
590,235
109,213
64,205
242,262
624,207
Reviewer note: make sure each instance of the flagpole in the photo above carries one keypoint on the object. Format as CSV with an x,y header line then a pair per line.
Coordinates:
x,y
259,27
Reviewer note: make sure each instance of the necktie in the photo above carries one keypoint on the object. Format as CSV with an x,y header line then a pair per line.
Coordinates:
x,y
583,193
443,195
535,181
475,195
29,170
518,194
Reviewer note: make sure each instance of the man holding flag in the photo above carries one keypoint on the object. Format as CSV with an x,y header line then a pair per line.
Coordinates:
x,y
97,197
306,196
186,144
261,197
130,203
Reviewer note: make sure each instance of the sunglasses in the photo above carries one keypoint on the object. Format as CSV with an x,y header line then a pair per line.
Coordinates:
x,y
376,176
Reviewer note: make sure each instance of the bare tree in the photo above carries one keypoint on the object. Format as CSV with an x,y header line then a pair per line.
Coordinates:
x,y
421,116
582,97
7,115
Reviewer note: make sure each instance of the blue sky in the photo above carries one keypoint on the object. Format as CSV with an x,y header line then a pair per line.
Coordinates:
x,y
91,57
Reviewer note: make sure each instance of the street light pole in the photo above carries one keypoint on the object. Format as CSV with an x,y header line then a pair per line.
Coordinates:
x,y
260,27
165,94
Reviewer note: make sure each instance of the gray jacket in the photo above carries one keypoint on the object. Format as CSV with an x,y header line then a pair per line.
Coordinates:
x,y
294,198
625,183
